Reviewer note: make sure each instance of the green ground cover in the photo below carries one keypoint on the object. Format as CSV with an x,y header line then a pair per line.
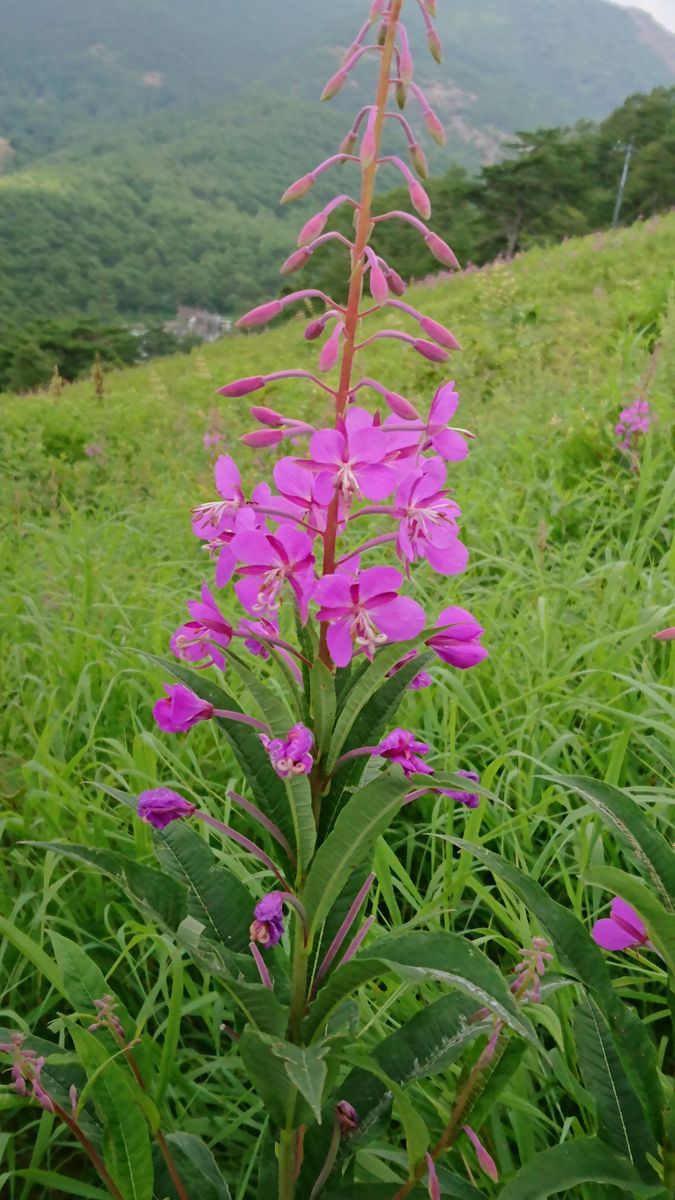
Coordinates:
x,y
571,572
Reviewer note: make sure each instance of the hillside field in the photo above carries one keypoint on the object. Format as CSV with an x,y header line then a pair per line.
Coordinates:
x,y
571,572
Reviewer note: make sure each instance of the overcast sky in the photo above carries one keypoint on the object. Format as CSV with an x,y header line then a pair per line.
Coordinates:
x,y
663,10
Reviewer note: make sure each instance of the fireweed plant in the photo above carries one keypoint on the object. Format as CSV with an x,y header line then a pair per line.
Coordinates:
x,y
327,642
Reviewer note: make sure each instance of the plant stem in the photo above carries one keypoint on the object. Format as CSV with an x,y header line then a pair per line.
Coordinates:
x,y
356,286
93,1154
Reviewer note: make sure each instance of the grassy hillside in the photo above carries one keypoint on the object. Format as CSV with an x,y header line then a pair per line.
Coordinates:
x,y
570,574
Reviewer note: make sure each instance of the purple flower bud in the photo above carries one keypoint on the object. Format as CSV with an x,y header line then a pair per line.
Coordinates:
x,y
433,1185
315,329
312,228
330,351
368,142
469,799
430,351
260,439
401,406
419,160
160,806
268,925
298,189
439,333
260,315
335,83
180,709
441,251
419,199
295,261
665,635
406,66
242,387
267,416
435,46
486,1160
396,284
378,283
346,1117
290,755
434,126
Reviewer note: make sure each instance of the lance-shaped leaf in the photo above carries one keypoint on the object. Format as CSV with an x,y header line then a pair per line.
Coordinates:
x,y
660,924
267,1070
496,1076
349,843
587,1160
306,1069
324,703
196,1166
632,827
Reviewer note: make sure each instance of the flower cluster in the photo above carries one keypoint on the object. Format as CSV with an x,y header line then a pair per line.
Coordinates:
x,y
27,1070
633,423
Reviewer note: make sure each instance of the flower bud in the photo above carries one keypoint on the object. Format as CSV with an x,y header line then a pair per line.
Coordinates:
x,y
441,251
396,284
368,143
242,387
312,228
439,333
430,351
259,439
433,1186
266,416
315,329
401,95
419,160
434,126
348,143
334,84
330,350
407,68
297,189
419,199
346,1117
378,283
295,261
401,407
260,315
435,47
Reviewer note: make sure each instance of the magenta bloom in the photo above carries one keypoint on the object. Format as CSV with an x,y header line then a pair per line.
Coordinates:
x,y
180,709
27,1067
634,422
470,799
622,930
205,635
350,460
364,611
291,755
160,806
268,561
267,927
400,747
434,435
459,643
428,521
297,493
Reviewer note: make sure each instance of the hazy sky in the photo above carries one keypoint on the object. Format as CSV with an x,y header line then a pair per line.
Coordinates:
x,y
663,10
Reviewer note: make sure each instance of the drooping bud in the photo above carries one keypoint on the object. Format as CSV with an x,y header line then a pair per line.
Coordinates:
x,y
295,261
331,349
419,160
335,83
430,351
242,387
378,283
348,143
401,95
396,284
312,228
439,333
260,315
368,142
419,199
298,189
406,66
435,46
259,439
376,10
401,407
315,329
441,251
433,1186
266,416
346,1117
434,126
485,1159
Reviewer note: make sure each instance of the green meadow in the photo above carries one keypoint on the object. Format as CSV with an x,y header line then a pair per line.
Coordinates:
x,y
571,573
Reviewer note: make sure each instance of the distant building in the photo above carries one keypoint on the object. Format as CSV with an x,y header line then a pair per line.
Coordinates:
x,y
197,321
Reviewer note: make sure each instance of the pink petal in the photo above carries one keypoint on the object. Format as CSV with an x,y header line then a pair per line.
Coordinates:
x,y
400,619
376,482
450,559
444,404
292,479
622,911
340,643
450,445
226,564
334,591
367,445
610,936
462,625
375,580
253,548
228,479
328,446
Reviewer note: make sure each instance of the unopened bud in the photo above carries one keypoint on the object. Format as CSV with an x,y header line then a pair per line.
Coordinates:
x,y
330,350
295,261
260,315
259,439
407,69
435,126
315,329
72,1093
266,416
435,47
348,143
439,333
430,351
486,1160
334,84
312,228
401,407
433,1186
378,283
441,251
396,284
297,189
419,199
382,34
419,160
401,94
368,143
346,1117
242,387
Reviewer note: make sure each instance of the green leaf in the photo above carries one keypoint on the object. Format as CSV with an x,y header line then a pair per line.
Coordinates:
x,y
267,1073
307,1071
621,1121
356,830
126,1141
567,1166
196,1167
83,981
322,694
31,951
660,924
584,960
628,821
496,1077
55,1182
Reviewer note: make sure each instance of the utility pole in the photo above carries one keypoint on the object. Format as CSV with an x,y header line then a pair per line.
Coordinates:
x,y
622,185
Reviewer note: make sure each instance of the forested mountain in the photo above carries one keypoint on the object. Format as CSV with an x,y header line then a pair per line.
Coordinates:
x,y
144,143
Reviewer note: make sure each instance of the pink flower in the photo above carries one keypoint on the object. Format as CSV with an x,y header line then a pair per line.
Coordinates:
x,y
160,806
485,1160
201,637
622,930
468,798
180,709
365,610
459,641
268,925
268,561
400,747
290,755
428,521
296,487
346,1117
435,435
665,635
349,460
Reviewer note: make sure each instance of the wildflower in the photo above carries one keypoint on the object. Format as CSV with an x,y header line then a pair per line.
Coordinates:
x,y
486,1160
106,1017
205,636
346,1117
27,1068
349,460
180,709
268,561
435,435
622,930
160,806
291,755
400,747
468,798
428,521
267,927
364,611
433,1185
633,422
458,643
531,969
665,635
